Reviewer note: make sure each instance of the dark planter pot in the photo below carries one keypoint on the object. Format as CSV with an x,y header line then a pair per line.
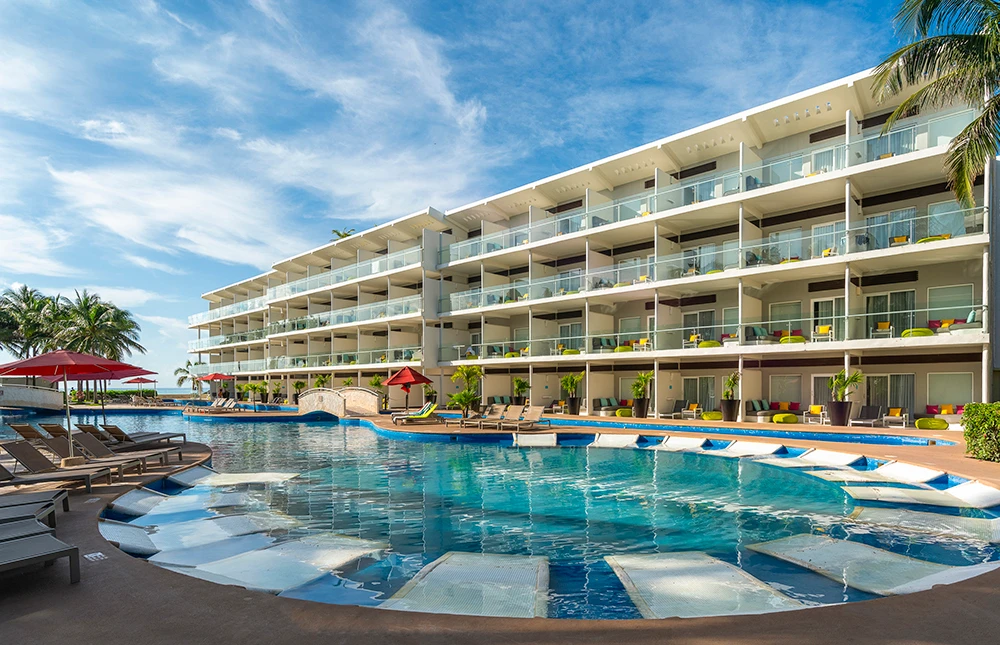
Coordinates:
x,y
295,397
263,398
730,409
573,405
519,400
840,412
639,408
431,398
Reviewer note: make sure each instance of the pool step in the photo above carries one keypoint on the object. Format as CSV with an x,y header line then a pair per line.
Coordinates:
x,y
148,540
693,584
815,457
605,440
682,444
740,448
895,472
968,495
864,567
976,528
532,440
478,584
286,565
143,501
202,476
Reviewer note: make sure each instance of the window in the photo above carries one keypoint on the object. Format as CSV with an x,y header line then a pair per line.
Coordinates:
x,y
953,301
731,321
700,390
699,322
829,311
784,245
629,270
886,227
731,254
629,329
820,389
945,218
569,281
700,259
521,337
785,316
475,339
828,238
571,336
896,308
891,391
954,388
786,388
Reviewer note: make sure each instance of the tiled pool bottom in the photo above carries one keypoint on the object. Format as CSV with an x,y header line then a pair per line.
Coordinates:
x,y
575,506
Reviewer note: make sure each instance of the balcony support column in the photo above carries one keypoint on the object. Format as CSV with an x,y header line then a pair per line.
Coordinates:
x,y
986,373
586,390
847,301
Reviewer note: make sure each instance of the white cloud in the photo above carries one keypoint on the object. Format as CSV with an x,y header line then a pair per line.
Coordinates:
x,y
228,133
270,9
124,297
144,133
146,263
30,247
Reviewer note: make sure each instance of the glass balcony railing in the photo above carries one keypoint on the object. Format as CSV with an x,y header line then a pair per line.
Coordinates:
x,y
491,349
227,339
903,228
231,367
373,311
483,244
793,330
960,317
696,192
937,131
358,358
792,246
363,269
228,310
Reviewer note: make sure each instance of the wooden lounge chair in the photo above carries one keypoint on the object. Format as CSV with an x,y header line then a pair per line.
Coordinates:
x,y
50,496
94,448
86,476
142,438
16,554
532,420
512,413
427,416
120,464
38,464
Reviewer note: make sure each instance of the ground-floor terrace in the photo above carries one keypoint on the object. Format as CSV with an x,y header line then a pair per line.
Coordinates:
x,y
38,605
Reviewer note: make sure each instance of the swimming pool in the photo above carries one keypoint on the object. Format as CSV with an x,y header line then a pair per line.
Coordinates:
x,y
573,505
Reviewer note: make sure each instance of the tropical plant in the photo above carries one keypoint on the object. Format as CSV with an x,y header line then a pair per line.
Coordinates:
x,y
952,58
429,390
347,382
321,380
841,384
32,314
470,375
981,424
375,382
249,390
570,383
640,386
342,234
519,385
298,386
188,374
464,399
729,386
90,325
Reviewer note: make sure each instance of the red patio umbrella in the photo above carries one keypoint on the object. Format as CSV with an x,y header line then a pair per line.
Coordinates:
x,y
407,377
216,376
66,365
139,382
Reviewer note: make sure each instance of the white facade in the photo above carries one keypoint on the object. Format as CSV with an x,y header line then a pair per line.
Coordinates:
x,y
786,242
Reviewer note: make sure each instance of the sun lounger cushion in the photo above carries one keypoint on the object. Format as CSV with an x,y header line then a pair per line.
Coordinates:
x,y
932,423
785,417
712,416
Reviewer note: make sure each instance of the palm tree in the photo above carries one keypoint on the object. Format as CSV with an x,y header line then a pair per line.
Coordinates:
x,y
187,374
90,325
471,375
342,234
31,313
321,380
952,58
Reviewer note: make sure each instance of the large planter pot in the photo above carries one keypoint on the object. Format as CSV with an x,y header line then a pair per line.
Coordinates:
x,y
573,405
639,408
295,397
840,412
730,409
519,400
263,398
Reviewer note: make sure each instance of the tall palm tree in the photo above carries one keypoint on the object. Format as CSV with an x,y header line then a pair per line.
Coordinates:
x,y
93,326
342,234
188,373
953,56
31,314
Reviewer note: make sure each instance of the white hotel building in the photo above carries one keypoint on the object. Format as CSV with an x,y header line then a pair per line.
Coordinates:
x,y
787,241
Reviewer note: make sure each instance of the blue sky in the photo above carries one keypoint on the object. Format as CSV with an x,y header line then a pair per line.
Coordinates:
x,y
153,150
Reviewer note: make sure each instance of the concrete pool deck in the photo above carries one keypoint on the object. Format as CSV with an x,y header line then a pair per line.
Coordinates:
x,y
121,599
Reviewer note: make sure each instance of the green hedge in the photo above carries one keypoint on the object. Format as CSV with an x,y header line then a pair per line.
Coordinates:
x,y
982,430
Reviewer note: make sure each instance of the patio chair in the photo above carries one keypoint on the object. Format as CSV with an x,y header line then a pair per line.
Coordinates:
x,y
422,409
691,341
493,413
38,549
93,447
870,415
144,437
822,333
27,431
426,416
95,432
692,411
513,413
38,464
47,496
120,464
815,414
532,420
40,511
896,418
19,529
8,478
883,329
675,413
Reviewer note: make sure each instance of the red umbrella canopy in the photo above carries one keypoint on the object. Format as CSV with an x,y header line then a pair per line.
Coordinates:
x,y
407,376
140,379
63,364
215,376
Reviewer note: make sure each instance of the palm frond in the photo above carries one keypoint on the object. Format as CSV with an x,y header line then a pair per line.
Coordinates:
x,y
919,18
968,152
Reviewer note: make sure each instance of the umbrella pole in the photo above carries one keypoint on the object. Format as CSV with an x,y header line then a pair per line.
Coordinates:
x,y
69,425
104,395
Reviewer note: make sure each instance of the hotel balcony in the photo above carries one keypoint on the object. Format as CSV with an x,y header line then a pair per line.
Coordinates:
x,y
222,340
398,261
351,360
242,307
376,311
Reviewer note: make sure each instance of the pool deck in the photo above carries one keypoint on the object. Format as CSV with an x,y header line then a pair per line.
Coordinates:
x,y
122,599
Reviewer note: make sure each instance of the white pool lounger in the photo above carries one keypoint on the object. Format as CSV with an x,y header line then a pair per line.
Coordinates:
x,y
202,476
976,528
741,448
815,457
286,565
603,440
191,476
148,540
864,567
693,584
143,501
546,440
896,472
968,495
478,584
682,444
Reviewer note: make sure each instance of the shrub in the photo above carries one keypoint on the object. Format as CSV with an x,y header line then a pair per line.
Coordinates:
x,y
982,430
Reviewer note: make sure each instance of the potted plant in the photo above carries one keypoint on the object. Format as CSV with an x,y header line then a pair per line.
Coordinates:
x,y
321,380
841,385
520,387
248,389
298,386
262,391
570,383
730,404
430,394
640,391
276,392
375,383
465,400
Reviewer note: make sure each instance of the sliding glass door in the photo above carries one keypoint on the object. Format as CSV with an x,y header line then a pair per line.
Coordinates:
x,y
829,312
895,307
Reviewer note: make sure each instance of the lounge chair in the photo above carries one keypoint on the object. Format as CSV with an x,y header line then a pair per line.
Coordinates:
x,y
96,433
531,420
38,512
50,496
94,448
87,476
692,411
38,549
27,432
23,528
121,464
493,413
422,409
512,413
815,414
426,416
680,406
869,416
896,417
141,438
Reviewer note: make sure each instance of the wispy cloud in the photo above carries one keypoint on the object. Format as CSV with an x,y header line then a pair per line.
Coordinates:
x,y
121,296
146,263
31,247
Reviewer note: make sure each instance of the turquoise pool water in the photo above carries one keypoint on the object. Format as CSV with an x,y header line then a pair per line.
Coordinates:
x,y
574,505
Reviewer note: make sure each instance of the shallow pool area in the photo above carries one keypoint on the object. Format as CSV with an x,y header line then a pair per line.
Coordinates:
x,y
342,514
